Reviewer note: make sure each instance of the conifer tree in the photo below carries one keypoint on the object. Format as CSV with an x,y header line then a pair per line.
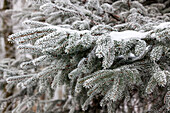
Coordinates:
x,y
111,56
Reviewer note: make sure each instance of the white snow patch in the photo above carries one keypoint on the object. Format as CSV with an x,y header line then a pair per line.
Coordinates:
x,y
127,35
131,55
163,25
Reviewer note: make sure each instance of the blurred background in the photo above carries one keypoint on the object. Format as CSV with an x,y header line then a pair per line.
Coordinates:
x,y
9,25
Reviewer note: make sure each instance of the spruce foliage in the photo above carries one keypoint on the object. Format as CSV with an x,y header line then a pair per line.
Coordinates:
x,y
106,53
